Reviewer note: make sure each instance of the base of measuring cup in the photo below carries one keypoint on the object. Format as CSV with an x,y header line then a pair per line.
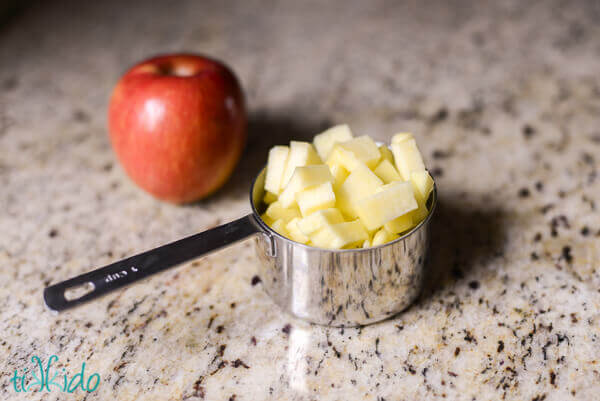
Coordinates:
x,y
344,287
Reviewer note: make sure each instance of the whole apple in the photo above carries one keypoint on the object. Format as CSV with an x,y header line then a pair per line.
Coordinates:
x,y
178,125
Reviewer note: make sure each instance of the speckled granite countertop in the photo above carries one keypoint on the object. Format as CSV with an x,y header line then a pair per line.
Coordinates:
x,y
505,102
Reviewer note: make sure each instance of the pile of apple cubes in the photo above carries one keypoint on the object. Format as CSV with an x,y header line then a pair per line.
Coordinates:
x,y
362,196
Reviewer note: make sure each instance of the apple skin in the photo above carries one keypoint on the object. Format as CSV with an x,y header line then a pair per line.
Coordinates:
x,y
178,125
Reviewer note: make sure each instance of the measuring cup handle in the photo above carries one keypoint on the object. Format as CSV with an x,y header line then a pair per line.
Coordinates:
x,y
96,283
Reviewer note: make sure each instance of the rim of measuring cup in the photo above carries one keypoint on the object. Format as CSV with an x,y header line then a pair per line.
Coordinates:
x,y
264,226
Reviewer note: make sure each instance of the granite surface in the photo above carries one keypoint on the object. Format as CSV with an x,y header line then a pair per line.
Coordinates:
x,y
504,99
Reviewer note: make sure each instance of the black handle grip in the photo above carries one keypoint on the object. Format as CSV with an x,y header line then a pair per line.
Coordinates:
x,y
96,283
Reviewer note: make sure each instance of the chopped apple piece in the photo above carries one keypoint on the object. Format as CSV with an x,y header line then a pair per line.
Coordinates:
x,y
301,154
304,177
400,224
360,183
422,186
325,141
342,158
407,157
316,198
317,220
387,172
278,156
366,244
344,204
389,202
402,136
340,235
279,227
422,183
386,153
419,214
269,197
294,232
339,175
391,236
268,221
382,237
364,150
276,211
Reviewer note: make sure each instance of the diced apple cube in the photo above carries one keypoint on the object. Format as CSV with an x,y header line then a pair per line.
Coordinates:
x,y
360,183
268,221
339,174
276,211
387,172
340,235
419,214
301,154
407,158
278,156
316,198
364,149
386,153
269,197
400,224
366,244
294,232
389,202
317,220
422,186
279,227
325,141
304,177
342,158
344,203
402,136
422,183
383,237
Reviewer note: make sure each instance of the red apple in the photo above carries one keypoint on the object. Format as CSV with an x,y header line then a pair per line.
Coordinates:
x,y
178,125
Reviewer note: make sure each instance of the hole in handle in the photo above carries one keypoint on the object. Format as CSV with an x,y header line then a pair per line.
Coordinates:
x,y
79,291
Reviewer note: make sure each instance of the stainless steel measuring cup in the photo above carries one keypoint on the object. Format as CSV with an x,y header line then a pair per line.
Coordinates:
x,y
347,287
